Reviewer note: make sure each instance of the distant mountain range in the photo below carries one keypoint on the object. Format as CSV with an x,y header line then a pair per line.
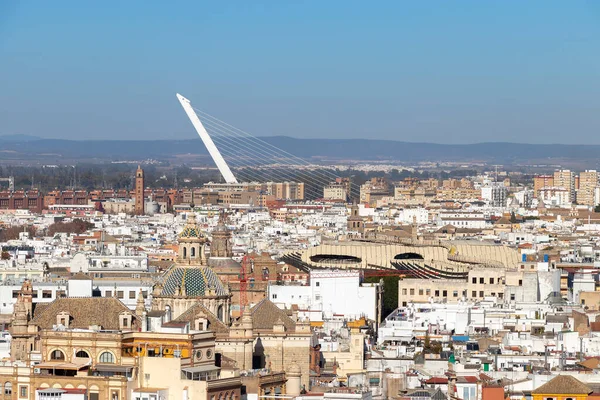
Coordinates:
x,y
26,147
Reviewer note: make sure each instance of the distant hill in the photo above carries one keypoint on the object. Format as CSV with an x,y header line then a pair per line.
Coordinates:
x,y
29,147
18,138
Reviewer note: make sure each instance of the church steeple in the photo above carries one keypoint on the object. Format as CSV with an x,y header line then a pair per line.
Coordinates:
x,y
221,240
23,334
191,243
140,306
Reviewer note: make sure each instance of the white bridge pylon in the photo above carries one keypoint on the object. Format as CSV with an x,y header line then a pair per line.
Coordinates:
x,y
210,145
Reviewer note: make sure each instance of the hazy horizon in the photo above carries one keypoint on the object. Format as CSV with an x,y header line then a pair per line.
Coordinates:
x,y
464,72
33,137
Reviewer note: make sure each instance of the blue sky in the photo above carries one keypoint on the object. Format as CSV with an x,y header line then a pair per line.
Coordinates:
x,y
421,71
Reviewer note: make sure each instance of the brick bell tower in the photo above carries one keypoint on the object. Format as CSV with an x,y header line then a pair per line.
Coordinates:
x,y
139,191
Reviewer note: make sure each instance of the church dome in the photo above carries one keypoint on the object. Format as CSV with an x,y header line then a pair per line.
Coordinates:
x,y
191,282
225,266
191,231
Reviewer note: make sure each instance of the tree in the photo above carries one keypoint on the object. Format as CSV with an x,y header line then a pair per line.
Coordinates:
x,y
390,293
77,226
12,233
427,343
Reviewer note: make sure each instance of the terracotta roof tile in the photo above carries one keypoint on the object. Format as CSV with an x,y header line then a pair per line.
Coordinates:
x,y
563,384
265,314
84,312
198,310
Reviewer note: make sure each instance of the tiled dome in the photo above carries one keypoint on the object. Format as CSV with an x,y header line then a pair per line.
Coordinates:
x,y
193,281
191,230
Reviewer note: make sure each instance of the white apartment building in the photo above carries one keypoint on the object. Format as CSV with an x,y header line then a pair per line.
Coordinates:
x,y
330,294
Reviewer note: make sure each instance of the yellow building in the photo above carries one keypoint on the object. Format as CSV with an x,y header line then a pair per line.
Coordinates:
x,y
562,387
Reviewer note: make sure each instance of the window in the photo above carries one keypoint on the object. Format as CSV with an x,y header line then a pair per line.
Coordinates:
x,y
437,293
132,294
520,282
82,354
500,295
145,294
474,280
420,292
427,292
412,292
455,293
481,293
107,358
22,391
317,284
107,293
512,296
491,281
404,292
274,296
120,294
46,294
15,294
317,297
474,293
57,355
8,388
34,294
482,280
444,293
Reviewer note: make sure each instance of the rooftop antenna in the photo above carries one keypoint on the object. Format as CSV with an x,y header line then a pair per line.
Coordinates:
x,y
210,146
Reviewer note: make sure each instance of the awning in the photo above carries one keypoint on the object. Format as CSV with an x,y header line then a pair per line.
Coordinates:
x,y
113,368
60,365
200,368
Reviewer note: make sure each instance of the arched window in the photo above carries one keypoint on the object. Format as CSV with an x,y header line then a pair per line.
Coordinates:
x,y
220,313
82,354
8,388
192,252
184,252
107,358
57,355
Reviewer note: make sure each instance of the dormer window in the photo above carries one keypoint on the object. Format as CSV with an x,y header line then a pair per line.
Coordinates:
x,y
63,318
125,320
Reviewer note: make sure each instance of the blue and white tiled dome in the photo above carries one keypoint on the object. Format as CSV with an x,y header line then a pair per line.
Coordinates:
x,y
191,282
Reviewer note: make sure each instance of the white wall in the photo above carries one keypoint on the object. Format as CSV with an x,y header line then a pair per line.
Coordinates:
x,y
330,294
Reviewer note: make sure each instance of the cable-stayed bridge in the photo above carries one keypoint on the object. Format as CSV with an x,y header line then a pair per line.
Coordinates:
x,y
240,156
